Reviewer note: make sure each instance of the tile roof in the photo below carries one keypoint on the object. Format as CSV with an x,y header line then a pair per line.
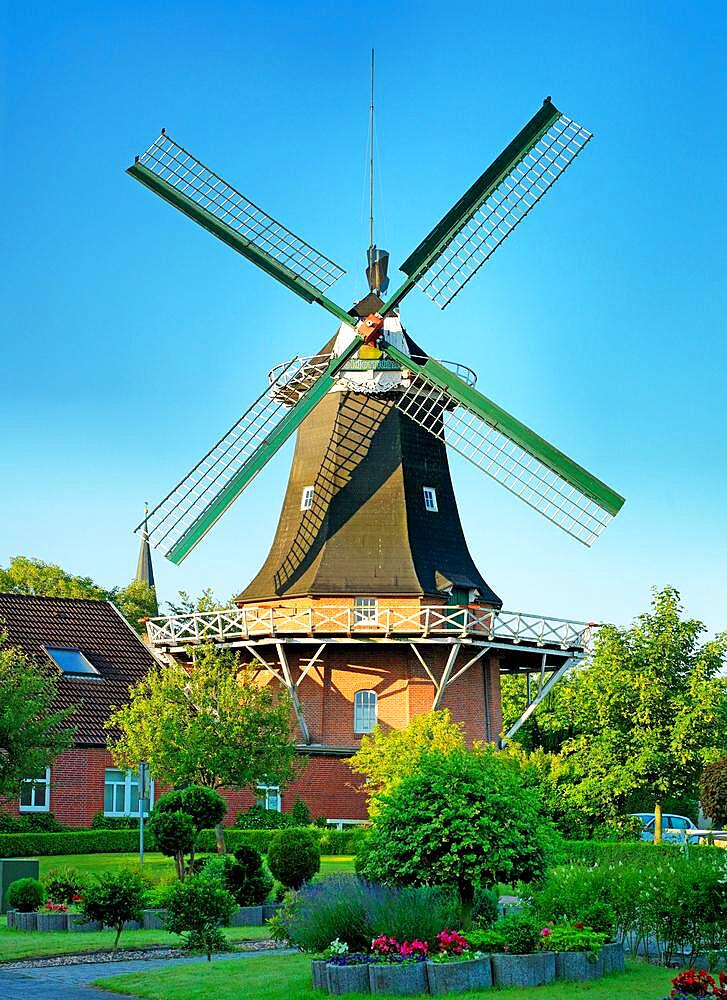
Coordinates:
x,y
102,635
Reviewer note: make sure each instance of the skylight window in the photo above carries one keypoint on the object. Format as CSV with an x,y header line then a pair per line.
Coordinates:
x,y
71,661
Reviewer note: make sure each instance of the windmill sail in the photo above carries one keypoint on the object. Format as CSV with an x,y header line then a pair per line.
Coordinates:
x,y
504,448
498,201
186,514
186,183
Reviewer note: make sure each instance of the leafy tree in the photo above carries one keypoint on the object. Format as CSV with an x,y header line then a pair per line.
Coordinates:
x,y
210,724
136,602
384,758
204,807
465,820
114,898
33,576
196,909
32,734
713,791
186,605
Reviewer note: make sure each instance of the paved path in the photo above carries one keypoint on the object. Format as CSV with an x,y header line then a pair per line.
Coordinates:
x,y
72,982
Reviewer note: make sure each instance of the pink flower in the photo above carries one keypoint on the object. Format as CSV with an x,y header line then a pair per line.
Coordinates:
x,y
546,931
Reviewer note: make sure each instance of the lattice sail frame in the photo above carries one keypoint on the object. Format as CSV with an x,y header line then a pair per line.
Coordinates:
x,y
176,166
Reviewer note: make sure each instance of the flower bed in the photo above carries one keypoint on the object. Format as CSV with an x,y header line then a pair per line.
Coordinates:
x,y
698,983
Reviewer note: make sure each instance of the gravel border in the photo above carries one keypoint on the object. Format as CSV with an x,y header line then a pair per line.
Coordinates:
x,y
127,955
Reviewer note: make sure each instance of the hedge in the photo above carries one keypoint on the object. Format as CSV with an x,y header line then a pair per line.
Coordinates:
x,y
592,851
22,845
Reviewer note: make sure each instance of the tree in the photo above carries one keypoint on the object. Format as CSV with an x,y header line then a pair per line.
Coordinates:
x,y
136,602
713,791
208,724
32,734
186,605
173,832
465,819
641,721
114,898
384,758
203,807
196,909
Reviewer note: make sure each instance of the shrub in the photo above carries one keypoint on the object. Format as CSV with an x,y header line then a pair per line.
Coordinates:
x,y
571,937
43,823
113,898
23,845
521,932
464,819
490,941
294,857
63,885
300,813
195,909
247,879
413,913
25,894
350,841
174,835
259,818
10,824
713,791
485,910
206,806
623,829
101,822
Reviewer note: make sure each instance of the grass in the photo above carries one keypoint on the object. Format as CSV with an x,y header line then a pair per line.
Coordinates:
x,y
16,945
287,977
156,866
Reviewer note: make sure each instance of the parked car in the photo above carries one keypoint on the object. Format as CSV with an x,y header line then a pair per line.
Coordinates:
x,y
674,829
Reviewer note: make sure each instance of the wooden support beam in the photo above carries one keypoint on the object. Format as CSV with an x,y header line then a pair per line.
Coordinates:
x,y
293,692
449,666
310,664
421,660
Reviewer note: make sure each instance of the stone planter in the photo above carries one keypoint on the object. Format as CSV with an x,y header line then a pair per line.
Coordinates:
x,y
247,916
154,920
318,974
612,957
46,921
401,979
79,925
270,909
347,979
11,918
523,970
455,977
25,921
578,965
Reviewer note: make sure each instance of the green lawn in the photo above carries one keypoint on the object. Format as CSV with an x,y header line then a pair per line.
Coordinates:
x,y
16,945
156,866
287,977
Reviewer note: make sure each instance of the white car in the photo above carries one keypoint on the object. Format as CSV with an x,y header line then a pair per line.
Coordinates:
x,y
675,829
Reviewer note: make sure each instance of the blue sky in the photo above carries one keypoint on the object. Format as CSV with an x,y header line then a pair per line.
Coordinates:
x,y
131,339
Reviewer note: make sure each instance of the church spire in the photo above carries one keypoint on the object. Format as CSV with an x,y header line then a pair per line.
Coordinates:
x,y
144,567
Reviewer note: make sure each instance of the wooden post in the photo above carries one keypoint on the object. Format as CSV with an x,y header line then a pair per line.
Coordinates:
x,y
657,823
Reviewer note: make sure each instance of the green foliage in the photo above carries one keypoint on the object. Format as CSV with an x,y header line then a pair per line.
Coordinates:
x,y
32,734
25,894
464,820
23,845
294,857
638,724
384,758
101,822
195,909
490,940
300,813
521,932
210,726
113,898
713,791
136,602
173,834
259,818
411,914
204,806
485,910
568,937
62,884
186,605
247,879
31,823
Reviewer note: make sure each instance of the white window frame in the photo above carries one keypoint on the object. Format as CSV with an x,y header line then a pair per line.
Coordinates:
x,y
129,779
363,709
266,793
430,499
306,497
33,782
365,611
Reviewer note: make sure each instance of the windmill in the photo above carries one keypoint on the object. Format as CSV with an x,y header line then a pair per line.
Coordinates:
x,y
430,393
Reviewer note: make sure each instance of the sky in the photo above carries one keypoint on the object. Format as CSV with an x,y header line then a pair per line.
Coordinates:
x,y
131,339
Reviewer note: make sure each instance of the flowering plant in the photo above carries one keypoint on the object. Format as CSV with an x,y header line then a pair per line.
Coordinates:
x,y
698,983
336,947
55,907
352,958
391,949
451,942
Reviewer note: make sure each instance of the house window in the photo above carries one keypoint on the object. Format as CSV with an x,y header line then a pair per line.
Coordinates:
x,y
71,661
364,711
35,793
365,610
121,793
268,796
306,500
430,499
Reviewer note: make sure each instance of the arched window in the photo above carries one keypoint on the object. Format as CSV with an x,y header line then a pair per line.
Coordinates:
x,y
364,711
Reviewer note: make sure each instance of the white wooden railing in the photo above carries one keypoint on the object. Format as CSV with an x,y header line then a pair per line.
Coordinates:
x,y
231,625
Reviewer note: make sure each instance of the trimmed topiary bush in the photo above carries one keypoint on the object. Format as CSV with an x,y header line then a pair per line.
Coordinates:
x,y
247,879
174,836
25,895
294,857
113,898
196,909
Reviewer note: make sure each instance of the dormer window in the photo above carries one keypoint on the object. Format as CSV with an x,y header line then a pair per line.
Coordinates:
x,y
430,499
306,500
71,661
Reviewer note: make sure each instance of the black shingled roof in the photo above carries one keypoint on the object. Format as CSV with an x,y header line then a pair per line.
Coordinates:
x,y
101,634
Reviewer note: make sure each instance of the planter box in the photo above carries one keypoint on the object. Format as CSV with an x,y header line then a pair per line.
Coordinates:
x,y
318,974
51,921
347,979
578,965
11,918
612,957
247,916
455,977
133,925
154,920
79,925
270,909
523,970
400,979
25,921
